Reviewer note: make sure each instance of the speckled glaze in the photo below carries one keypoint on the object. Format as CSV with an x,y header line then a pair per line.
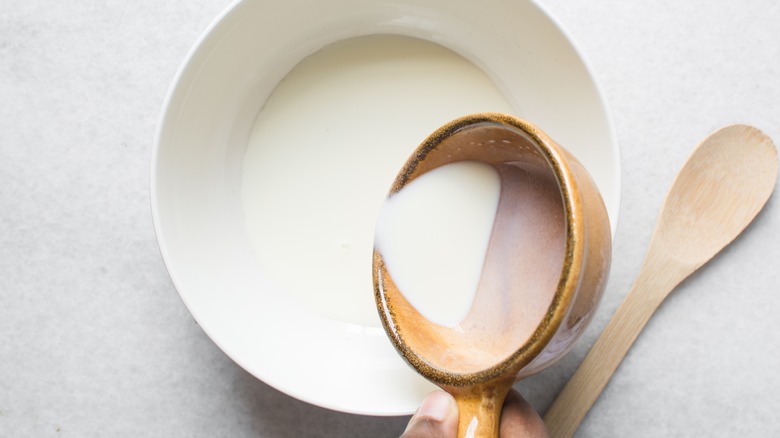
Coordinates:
x,y
582,278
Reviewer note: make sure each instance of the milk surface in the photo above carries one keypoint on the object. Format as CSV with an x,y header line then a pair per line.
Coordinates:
x,y
326,147
505,262
433,236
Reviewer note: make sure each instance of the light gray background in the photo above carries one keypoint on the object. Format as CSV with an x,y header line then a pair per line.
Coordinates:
x,y
94,340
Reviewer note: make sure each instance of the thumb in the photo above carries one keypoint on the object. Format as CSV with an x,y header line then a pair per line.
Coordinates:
x,y
437,417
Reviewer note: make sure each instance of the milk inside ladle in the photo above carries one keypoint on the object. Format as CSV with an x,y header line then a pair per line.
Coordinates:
x,y
536,252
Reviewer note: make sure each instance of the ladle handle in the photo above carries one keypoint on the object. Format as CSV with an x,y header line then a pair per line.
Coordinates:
x,y
656,280
479,409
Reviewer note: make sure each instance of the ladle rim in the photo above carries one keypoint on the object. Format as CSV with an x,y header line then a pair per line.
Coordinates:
x,y
568,280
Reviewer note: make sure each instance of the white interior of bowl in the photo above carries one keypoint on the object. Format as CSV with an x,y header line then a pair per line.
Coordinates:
x,y
202,137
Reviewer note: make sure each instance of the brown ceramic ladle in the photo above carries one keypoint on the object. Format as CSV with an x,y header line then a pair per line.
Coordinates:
x,y
544,271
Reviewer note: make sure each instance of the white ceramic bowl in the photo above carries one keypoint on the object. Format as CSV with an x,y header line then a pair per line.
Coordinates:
x,y
197,179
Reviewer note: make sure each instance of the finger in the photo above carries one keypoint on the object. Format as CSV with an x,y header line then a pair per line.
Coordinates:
x,y
437,417
519,419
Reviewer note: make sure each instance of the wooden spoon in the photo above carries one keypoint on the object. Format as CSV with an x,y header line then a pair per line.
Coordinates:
x,y
720,189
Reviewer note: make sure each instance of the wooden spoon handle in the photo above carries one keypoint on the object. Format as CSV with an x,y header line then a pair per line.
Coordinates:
x,y
479,409
653,284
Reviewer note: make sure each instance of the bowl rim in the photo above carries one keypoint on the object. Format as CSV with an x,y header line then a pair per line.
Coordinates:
x,y
166,117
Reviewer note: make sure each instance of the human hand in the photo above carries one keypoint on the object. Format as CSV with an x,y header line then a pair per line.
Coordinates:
x,y
438,417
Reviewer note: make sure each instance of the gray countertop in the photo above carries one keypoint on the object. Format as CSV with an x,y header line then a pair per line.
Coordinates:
x,y
94,340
